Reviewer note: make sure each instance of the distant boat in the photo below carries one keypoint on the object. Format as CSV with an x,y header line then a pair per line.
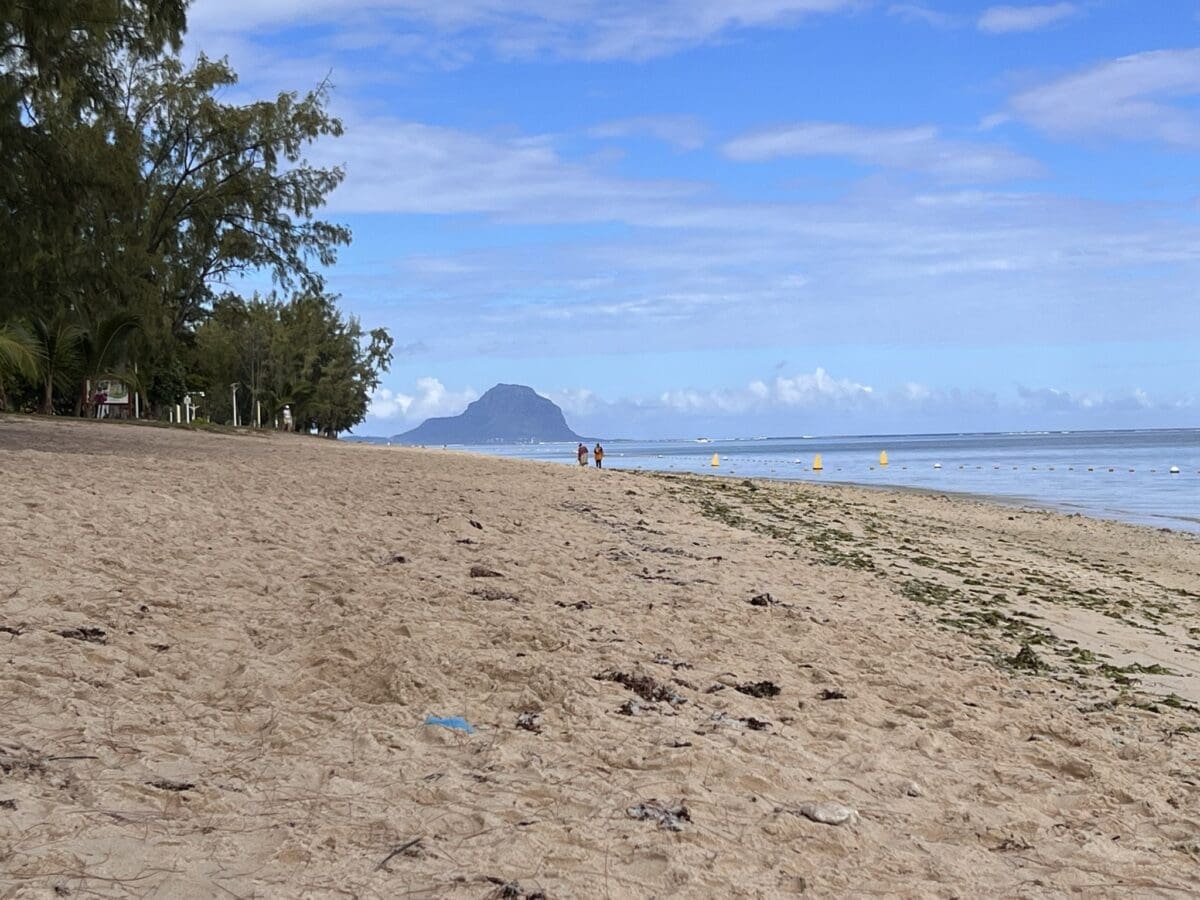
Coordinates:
x,y
703,441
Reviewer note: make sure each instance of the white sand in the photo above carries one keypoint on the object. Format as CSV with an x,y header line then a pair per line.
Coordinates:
x,y
261,647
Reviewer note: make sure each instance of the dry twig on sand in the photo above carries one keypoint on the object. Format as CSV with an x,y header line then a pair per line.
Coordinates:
x,y
407,845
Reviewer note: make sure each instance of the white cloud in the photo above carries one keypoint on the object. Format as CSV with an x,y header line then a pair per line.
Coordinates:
x,y
872,264
850,401
574,401
1129,98
814,399
581,29
682,132
1099,403
387,404
803,391
819,387
916,12
920,149
409,167
1008,19
686,400
431,398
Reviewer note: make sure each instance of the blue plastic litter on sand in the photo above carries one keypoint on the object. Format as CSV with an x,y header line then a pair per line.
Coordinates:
x,y
457,723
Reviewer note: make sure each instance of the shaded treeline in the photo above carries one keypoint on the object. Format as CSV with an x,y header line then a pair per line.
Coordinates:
x,y
134,197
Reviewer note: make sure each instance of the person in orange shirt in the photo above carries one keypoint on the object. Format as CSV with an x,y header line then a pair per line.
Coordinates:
x,y
598,455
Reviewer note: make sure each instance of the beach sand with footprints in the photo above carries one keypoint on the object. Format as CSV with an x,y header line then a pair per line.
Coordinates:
x,y
218,653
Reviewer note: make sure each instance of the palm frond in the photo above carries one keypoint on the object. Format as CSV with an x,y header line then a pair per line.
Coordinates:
x,y
106,341
19,352
59,341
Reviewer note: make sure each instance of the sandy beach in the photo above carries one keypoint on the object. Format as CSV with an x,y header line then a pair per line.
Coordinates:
x,y
218,653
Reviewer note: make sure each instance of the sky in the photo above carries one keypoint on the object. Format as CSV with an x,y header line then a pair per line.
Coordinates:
x,y
767,217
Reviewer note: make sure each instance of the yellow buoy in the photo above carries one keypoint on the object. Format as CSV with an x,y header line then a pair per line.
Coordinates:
x,y
883,458
716,460
817,466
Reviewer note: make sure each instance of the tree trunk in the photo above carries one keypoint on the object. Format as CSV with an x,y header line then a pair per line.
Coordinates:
x,y
48,396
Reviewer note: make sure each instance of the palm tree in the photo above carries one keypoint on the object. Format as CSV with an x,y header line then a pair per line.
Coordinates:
x,y
19,355
75,352
103,346
58,341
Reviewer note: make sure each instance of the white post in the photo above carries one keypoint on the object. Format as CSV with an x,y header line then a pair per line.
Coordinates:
x,y
233,388
178,415
137,397
258,414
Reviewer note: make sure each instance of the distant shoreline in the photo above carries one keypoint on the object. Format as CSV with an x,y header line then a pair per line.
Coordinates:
x,y
1005,500
1136,476
1179,524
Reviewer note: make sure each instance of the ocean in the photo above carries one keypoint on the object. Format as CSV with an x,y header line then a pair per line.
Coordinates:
x,y
1123,475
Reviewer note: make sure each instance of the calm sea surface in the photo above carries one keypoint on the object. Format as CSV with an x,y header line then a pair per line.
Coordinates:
x,y
1109,474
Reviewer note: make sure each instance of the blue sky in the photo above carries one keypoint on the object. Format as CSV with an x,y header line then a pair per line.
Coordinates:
x,y
765,217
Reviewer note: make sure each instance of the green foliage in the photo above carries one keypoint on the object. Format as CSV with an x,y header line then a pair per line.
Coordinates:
x,y
63,46
104,350
19,352
165,384
222,189
20,358
73,352
57,157
128,190
301,354
58,340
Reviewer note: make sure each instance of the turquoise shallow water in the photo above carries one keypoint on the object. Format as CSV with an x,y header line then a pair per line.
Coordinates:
x,y
1108,474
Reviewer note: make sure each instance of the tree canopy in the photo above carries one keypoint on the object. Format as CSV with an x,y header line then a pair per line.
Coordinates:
x,y
132,200
301,354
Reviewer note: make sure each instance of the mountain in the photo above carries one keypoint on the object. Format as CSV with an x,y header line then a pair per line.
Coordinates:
x,y
506,414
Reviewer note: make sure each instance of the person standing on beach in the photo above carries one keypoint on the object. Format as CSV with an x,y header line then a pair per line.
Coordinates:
x,y
582,454
598,455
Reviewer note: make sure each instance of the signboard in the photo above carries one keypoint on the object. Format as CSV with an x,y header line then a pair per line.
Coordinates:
x,y
117,392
